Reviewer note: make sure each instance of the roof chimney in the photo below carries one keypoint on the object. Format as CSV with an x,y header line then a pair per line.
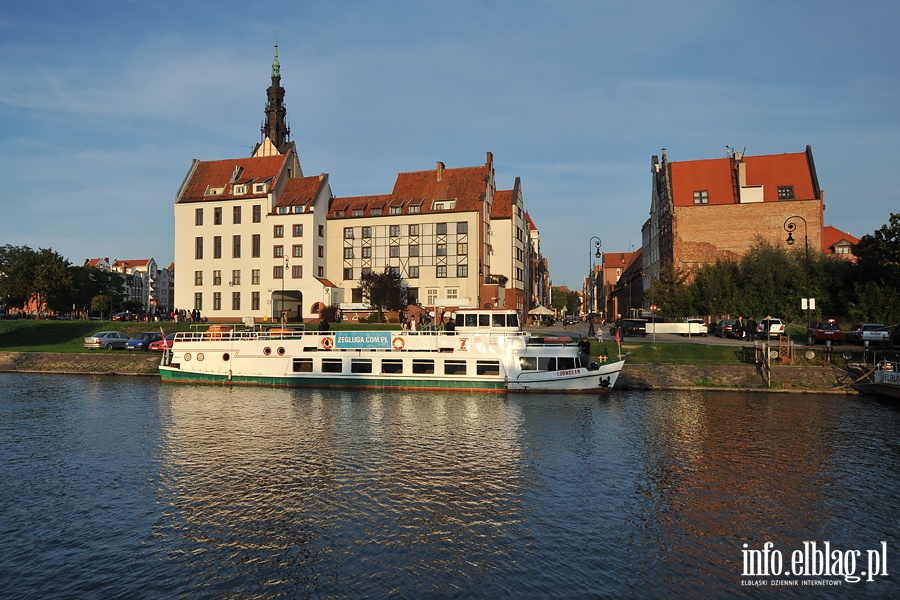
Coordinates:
x,y
440,171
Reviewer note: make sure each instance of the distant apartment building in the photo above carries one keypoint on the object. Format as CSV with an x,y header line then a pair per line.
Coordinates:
x,y
146,283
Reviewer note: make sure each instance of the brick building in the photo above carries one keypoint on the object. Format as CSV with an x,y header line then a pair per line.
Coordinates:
x,y
704,210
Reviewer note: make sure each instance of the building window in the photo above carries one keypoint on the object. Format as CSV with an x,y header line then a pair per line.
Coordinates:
x,y
395,210
357,212
367,252
414,272
217,300
278,272
376,212
415,208
441,250
256,246
278,231
701,197
297,271
321,252
395,251
217,246
462,249
413,249
348,253
394,230
298,209
236,277
198,277
431,295
785,192
236,247
348,233
236,215
198,248
278,251
442,229
257,213
321,271
462,270
366,271
235,301
297,251
254,301
366,232
217,215
462,227
339,213
198,300
282,210
321,231
395,271
413,230
452,293
254,276
298,230
198,217
217,277
348,273
441,271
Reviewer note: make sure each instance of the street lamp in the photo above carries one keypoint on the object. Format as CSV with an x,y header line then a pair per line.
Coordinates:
x,y
790,225
595,243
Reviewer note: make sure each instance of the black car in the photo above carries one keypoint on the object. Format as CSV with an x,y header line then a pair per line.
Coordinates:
x,y
631,327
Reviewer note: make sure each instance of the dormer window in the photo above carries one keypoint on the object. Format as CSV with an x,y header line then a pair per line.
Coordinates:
x,y
282,210
357,212
213,191
239,190
259,188
395,210
785,192
339,213
414,208
376,212
298,209
443,205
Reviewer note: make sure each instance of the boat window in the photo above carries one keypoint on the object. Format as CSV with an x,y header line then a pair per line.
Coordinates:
x,y
454,367
332,365
546,363
361,365
302,365
392,366
528,363
512,320
566,362
487,367
499,320
423,367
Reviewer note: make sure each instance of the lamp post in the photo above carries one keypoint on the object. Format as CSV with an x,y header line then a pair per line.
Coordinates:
x,y
595,243
790,225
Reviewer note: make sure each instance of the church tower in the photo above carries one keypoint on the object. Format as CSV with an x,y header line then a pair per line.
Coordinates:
x,y
275,133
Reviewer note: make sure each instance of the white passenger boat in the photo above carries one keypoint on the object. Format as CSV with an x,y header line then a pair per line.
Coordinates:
x,y
487,351
886,380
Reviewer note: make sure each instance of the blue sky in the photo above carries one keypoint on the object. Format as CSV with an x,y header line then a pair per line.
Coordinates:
x,y
103,105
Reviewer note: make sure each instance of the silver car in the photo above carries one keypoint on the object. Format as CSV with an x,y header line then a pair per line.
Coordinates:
x,y
873,333
106,339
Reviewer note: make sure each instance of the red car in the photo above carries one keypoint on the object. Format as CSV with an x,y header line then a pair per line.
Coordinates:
x,y
162,345
827,331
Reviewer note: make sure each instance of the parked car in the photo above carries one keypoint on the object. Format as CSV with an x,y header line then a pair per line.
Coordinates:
x,y
703,327
106,339
142,340
123,316
570,320
725,328
770,327
631,327
869,332
163,344
827,331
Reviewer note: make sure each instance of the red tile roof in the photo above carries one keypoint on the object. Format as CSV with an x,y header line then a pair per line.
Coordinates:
x,y
224,173
719,177
301,191
832,236
466,185
502,207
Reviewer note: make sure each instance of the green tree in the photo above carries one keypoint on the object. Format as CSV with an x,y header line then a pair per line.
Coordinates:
x,y
565,300
671,293
384,291
102,305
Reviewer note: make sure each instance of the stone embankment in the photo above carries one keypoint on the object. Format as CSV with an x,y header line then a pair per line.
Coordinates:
x,y
837,379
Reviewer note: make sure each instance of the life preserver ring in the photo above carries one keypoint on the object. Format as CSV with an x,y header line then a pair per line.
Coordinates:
x,y
398,343
327,343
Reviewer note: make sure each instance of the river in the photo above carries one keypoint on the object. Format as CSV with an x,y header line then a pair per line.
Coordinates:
x,y
123,487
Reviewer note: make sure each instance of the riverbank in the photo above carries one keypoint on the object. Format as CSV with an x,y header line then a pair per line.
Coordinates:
x,y
822,378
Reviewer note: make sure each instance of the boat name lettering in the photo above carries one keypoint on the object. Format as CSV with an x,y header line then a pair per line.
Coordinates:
x,y
891,377
567,372
363,339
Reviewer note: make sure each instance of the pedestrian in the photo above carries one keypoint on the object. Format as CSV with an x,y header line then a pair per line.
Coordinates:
x,y
751,329
450,326
739,328
323,325
584,351
412,323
